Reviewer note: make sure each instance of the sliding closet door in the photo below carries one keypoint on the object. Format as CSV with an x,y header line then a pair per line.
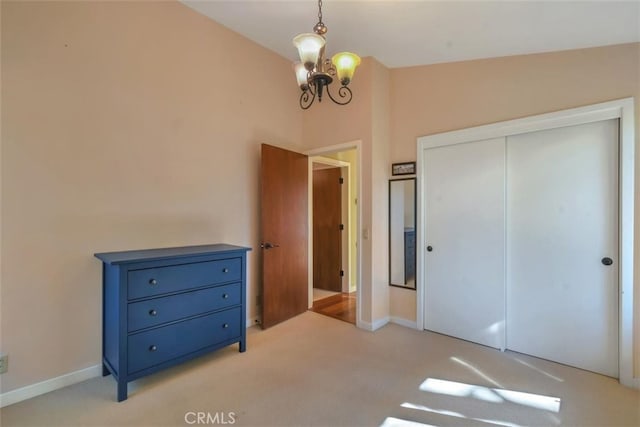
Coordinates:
x,y
464,229
562,228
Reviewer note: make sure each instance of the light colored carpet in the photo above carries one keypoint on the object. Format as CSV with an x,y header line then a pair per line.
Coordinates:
x,y
317,371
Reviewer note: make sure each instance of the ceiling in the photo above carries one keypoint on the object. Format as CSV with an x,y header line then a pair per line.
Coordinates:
x,y
403,33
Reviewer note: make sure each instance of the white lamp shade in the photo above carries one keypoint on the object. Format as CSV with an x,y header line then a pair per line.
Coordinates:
x,y
309,46
301,75
345,63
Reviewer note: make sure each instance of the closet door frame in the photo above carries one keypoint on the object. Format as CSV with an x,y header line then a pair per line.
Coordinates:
x,y
622,109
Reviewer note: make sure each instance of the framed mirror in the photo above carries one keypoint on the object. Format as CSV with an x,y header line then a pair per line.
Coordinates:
x,y
402,233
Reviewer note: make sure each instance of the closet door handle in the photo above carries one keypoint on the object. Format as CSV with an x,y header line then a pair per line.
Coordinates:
x,y
429,248
607,261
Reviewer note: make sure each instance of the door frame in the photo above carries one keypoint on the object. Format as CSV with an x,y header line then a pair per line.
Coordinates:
x,y
622,109
345,215
322,151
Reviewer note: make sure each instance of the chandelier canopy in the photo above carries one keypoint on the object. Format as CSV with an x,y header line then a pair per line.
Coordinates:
x,y
314,73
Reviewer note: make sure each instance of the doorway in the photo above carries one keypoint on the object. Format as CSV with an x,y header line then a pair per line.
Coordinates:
x,y
333,224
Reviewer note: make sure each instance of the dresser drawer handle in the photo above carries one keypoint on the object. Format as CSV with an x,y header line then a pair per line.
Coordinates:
x,y
225,296
153,282
153,348
225,270
152,312
225,326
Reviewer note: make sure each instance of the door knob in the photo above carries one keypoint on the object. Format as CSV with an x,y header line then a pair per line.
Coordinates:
x,y
268,245
607,261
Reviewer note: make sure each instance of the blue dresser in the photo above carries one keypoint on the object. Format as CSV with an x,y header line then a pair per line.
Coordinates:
x,y
164,306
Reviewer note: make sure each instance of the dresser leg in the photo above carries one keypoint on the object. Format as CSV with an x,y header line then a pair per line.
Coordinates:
x,y
243,345
122,391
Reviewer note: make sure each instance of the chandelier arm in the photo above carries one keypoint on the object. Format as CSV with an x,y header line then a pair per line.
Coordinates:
x,y
344,94
306,99
312,87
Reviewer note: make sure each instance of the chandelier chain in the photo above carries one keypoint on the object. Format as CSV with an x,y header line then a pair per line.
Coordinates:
x,y
320,12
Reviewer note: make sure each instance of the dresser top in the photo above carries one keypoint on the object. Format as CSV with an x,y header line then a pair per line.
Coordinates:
x,y
124,257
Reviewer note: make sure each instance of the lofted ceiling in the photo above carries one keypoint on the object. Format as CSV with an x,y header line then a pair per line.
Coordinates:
x,y
404,33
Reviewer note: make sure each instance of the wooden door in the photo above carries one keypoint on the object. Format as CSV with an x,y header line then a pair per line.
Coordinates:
x,y
327,238
464,230
562,245
285,217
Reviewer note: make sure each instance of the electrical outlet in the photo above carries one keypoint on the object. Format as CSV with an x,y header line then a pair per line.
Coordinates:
x,y
4,363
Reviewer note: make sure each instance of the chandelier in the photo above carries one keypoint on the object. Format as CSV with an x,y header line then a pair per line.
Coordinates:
x,y
315,73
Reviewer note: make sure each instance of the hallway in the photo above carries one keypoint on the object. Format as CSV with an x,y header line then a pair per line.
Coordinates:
x,y
339,306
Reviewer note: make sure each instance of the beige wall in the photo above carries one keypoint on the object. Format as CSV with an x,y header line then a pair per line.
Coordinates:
x,y
125,125
439,98
380,170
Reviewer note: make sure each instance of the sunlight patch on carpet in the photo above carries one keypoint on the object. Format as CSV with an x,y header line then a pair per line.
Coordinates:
x,y
476,370
494,395
397,422
457,415
535,368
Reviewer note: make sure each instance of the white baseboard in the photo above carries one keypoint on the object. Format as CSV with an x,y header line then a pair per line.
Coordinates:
x,y
253,321
404,322
33,390
377,324
632,383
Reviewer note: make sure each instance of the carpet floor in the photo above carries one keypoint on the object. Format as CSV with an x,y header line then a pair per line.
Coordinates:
x,y
316,371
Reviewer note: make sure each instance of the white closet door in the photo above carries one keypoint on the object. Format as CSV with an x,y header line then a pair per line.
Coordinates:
x,y
464,226
562,220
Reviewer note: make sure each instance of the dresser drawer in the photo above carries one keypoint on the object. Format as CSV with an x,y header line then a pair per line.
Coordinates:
x,y
156,346
161,280
156,311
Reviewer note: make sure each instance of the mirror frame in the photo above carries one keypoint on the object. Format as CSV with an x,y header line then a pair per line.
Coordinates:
x,y
415,216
